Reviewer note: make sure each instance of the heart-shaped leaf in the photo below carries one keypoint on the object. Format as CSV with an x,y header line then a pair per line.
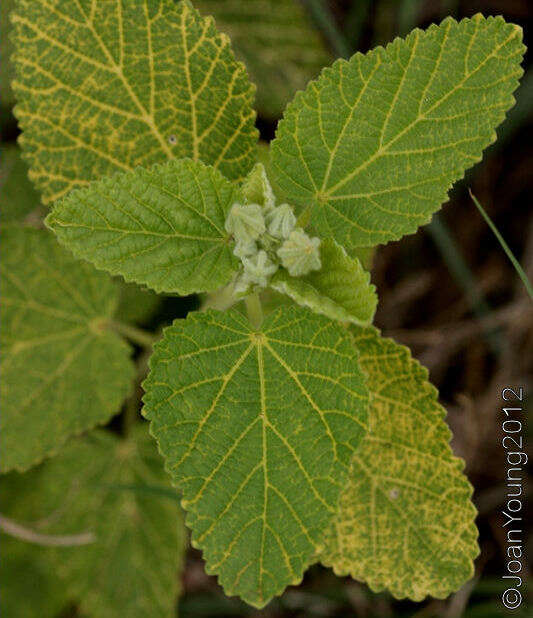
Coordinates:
x,y
257,429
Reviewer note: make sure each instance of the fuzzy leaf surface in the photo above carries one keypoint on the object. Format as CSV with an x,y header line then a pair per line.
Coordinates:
x,y
341,289
374,145
277,42
162,227
62,372
117,490
405,521
257,429
104,87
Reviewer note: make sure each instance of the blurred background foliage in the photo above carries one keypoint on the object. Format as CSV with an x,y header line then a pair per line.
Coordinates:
x,y
447,292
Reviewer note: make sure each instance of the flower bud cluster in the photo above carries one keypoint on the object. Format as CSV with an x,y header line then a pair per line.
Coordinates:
x,y
266,239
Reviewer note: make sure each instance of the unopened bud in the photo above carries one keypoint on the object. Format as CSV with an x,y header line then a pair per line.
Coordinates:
x,y
281,221
245,249
245,222
300,254
259,268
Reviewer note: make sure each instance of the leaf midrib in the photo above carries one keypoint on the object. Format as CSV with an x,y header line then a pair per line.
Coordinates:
x,y
126,232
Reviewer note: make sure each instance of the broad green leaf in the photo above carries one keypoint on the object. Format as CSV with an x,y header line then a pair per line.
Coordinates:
x,y
341,289
17,196
405,519
104,87
163,227
278,43
6,49
257,428
62,370
374,145
136,304
116,490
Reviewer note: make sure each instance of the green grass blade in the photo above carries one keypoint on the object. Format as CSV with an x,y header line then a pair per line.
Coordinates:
x,y
505,246
323,18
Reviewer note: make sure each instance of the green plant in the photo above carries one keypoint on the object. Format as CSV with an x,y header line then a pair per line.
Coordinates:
x,y
295,435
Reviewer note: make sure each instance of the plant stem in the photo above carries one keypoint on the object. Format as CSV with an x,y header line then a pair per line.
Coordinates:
x,y
30,536
505,246
221,300
254,310
141,337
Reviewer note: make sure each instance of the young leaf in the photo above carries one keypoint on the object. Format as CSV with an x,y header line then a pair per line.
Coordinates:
x,y
257,428
278,43
163,227
376,142
341,289
256,188
17,195
117,491
405,520
111,86
62,372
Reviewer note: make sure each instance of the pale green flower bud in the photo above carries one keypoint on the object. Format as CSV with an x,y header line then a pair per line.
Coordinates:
x,y
281,221
245,249
259,268
245,222
300,254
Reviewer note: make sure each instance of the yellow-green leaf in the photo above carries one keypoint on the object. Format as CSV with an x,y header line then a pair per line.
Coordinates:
x,y
341,289
405,520
62,371
106,86
374,145
162,227
257,429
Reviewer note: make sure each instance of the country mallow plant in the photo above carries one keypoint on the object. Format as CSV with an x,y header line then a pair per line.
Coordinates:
x,y
297,435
